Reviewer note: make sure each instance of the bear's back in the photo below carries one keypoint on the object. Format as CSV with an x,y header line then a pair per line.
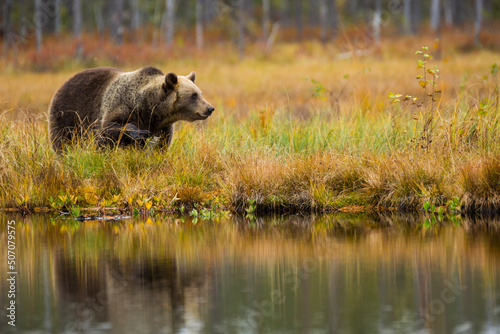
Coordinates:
x,y
76,105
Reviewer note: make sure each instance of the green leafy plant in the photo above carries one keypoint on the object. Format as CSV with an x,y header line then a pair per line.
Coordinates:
x,y
428,206
194,213
425,110
66,203
319,90
76,211
454,205
430,210
437,214
116,200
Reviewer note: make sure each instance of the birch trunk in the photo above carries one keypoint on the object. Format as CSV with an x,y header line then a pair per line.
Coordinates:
x,y
38,20
57,17
323,12
135,21
300,23
478,21
377,20
435,12
407,17
265,19
199,24
448,12
241,28
116,20
77,27
170,22
335,19
7,25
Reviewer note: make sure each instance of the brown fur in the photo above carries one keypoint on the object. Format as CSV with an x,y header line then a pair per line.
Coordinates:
x,y
124,107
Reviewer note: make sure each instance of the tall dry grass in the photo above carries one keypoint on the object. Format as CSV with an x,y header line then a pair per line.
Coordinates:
x,y
296,130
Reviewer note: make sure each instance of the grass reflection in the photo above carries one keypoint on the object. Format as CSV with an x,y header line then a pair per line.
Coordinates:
x,y
295,273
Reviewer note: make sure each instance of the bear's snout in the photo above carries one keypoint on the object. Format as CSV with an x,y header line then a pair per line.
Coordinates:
x,y
208,112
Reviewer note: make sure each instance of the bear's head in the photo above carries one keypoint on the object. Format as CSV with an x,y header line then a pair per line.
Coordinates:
x,y
187,102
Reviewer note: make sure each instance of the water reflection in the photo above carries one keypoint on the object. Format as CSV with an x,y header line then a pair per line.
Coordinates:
x,y
325,274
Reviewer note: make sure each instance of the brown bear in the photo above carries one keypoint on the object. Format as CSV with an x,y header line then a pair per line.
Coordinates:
x,y
124,107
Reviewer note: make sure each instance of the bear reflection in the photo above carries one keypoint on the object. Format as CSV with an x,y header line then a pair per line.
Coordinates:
x,y
161,292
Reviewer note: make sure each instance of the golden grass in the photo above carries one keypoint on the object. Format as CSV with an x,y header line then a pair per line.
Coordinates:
x,y
271,140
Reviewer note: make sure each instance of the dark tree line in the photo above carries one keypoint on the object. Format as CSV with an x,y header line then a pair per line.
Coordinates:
x,y
24,20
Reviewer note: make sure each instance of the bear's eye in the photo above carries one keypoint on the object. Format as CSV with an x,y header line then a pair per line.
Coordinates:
x,y
194,96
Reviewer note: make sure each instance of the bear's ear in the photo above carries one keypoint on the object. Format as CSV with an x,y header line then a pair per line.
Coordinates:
x,y
192,76
170,82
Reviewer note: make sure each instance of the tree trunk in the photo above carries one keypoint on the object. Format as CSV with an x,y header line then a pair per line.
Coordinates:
x,y
407,17
99,20
241,28
170,22
211,10
77,27
312,8
458,11
416,15
116,21
299,19
57,17
39,22
285,13
478,21
448,12
377,20
7,25
335,19
351,8
265,19
323,13
157,26
435,15
135,20
199,24
366,10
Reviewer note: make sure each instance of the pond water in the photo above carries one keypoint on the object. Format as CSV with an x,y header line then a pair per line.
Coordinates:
x,y
363,273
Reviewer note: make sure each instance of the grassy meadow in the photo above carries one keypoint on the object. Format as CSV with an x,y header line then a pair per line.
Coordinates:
x,y
298,129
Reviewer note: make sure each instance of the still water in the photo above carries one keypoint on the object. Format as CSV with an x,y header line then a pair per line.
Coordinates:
x,y
324,274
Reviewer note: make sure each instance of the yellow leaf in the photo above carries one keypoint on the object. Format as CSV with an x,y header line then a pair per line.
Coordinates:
x,y
422,83
149,205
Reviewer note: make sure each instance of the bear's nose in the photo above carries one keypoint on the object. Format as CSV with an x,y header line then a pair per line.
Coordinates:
x,y
210,110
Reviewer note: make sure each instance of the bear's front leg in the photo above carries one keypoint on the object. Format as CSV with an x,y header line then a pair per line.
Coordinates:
x,y
165,135
124,135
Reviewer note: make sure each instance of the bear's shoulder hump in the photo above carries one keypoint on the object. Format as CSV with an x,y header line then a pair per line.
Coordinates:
x,y
101,70
150,71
